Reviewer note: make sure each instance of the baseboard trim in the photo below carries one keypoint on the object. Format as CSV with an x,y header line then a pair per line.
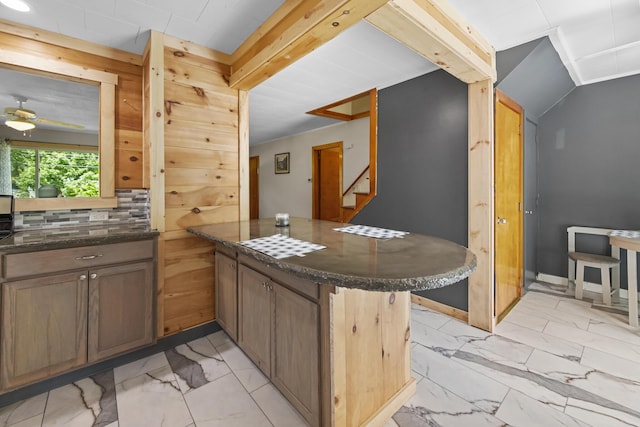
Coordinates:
x,y
162,344
392,405
588,286
440,308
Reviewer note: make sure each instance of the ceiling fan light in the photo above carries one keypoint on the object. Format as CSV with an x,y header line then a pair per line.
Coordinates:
x,y
20,125
18,5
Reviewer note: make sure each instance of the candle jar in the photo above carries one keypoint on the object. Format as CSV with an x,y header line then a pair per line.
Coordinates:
x,y
282,220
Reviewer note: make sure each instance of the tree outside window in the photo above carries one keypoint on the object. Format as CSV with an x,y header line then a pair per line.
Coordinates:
x,y
74,173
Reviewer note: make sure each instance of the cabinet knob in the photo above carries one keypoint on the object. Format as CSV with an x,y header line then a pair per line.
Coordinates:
x,y
93,275
83,277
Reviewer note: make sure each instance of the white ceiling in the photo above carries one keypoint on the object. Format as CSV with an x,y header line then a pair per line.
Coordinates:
x,y
596,39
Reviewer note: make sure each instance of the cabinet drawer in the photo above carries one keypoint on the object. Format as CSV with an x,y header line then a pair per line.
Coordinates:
x,y
302,286
44,262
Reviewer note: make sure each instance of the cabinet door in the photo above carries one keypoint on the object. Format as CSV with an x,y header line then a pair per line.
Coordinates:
x,y
296,349
227,295
120,309
254,332
44,327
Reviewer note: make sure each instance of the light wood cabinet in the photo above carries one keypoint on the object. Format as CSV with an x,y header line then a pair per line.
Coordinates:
x,y
44,327
226,287
279,330
254,309
120,309
54,320
296,348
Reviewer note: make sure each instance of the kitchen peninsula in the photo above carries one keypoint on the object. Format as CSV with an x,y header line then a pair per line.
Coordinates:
x,y
331,329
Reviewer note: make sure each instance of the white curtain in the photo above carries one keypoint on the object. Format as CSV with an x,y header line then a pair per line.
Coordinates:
x,y
5,166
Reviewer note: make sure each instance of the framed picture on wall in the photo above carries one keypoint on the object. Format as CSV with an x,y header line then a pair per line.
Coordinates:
x,y
282,162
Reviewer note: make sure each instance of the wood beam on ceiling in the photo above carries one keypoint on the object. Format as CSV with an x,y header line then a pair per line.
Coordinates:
x,y
434,30
295,29
68,42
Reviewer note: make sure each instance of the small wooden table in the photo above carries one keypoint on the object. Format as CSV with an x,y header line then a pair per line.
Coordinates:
x,y
632,246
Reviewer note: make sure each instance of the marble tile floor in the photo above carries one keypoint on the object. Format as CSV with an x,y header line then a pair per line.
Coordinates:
x,y
553,361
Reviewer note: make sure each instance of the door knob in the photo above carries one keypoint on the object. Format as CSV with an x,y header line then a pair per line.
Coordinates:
x,y
502,220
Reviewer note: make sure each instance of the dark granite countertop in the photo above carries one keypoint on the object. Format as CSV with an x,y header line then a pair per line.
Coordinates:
x,y
66,237
415,262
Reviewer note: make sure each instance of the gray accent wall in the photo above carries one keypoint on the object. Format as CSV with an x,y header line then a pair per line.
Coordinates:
x,y
532,75
507,60
588,168
539,81
422,165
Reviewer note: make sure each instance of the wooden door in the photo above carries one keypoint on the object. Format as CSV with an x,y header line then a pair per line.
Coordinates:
x,y
227,295
120,309
254,187
509,119
254,328
327,182
296,349
44,327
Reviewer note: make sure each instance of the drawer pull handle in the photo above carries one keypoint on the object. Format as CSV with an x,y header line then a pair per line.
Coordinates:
x,y
83,277
93,275
88,257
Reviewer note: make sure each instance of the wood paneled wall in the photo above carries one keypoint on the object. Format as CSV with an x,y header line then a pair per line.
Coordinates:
x,y
199,177
200,142
51,46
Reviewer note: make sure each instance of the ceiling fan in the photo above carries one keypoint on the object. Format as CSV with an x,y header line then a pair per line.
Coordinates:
x,y
22,119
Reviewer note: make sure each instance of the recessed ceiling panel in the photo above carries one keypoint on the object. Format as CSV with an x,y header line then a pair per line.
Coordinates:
x,y
594,68
628,60
566,11
589,36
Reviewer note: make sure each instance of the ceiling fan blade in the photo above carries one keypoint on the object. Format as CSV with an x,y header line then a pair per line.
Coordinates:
x,y
58,123
10,110
25,114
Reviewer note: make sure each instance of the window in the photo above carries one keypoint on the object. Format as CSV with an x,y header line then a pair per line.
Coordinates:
x,y
74,171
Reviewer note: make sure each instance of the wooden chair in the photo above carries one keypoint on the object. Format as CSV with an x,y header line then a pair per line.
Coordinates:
x,y
603,262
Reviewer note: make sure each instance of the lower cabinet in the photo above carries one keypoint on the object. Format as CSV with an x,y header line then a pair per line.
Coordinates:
x,y
226,294
295,363
120,309
254,308
44,327
62,320
279,331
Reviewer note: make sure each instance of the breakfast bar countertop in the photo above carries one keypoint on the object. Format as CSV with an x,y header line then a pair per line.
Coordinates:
x,y
413,262
66,237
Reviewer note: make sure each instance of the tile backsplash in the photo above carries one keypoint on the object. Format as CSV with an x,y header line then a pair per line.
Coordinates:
x,y
133,208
